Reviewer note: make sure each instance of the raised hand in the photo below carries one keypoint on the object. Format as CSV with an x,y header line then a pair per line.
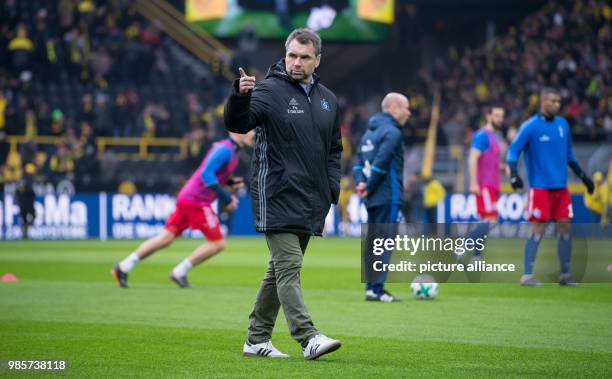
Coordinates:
x,y
247,83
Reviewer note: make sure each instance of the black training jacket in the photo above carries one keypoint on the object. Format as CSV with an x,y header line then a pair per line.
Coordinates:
x,y
295,171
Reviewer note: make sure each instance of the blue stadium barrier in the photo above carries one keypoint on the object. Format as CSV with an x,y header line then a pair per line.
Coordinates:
x,y
107,216
118,216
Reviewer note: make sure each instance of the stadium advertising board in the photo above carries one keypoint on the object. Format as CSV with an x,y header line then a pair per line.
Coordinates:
x,y
57,217
511,208
102,215
139,216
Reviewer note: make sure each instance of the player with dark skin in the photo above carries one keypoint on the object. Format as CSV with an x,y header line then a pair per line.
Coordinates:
x,y
545,139
550,106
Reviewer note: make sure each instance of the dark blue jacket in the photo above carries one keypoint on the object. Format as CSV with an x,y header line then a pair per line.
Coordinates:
x,y
380,161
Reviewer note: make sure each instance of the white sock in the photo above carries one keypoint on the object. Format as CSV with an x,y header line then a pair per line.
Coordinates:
x,y
128,263
182,268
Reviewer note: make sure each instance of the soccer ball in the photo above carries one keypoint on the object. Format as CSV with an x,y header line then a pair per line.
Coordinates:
x,y
424,287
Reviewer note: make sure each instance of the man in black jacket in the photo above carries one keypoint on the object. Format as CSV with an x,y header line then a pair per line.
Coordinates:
x,y
26,199
295,179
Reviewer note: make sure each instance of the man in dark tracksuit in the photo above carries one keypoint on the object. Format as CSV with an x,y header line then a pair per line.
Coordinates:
x,y
378,174
25,199
295,179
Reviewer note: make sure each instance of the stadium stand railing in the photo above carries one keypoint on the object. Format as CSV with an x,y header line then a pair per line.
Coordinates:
x,y
137,148
193,39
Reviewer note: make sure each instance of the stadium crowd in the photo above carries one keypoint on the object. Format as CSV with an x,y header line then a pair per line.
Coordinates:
x,y
81,69
565,45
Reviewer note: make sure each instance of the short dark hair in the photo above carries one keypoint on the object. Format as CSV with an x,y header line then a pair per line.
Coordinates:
x,y
549,91
490,107
305,36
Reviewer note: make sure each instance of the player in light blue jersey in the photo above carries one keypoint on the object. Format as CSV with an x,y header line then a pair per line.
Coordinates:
x,y
546,143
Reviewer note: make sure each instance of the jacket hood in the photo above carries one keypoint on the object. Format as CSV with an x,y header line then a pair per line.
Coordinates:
x,y
382,118
278,69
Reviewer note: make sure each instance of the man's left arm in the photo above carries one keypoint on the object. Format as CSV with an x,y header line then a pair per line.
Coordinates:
x,y
219,157
573,163
333,160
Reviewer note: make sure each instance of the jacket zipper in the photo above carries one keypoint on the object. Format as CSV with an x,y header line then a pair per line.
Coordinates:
x,y
307,95
312,229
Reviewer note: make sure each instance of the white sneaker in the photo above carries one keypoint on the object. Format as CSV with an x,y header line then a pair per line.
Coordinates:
x,y
264,349
320,345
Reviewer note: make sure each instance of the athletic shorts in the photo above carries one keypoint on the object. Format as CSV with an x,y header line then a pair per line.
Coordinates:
x,y
549,204
201,218
486,202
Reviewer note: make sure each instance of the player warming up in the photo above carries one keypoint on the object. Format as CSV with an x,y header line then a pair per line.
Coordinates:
x,y
193,209
545,139
484,167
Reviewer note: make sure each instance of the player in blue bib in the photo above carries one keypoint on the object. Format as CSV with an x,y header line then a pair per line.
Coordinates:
x,y
546,143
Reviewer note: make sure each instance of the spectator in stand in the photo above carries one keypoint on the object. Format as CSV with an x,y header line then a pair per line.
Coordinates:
x,y
122,123
61,163
100,63
44,119
85,165
102,116
25,200
30,130
149,40
65,10
21,48
150,119
57,122
45,54
87,108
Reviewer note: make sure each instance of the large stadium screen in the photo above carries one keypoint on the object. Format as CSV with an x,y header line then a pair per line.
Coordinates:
x,y
341,20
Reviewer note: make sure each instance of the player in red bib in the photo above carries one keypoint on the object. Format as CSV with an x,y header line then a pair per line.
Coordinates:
x,y
193,210
484,167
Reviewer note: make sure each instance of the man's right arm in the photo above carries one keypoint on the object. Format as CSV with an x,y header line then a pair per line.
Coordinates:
x,y
473,169
518,145
480,143
514,152
245,111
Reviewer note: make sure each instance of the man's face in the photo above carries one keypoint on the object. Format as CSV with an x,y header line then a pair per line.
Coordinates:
x,y
496,117
551,104
400,110
301,61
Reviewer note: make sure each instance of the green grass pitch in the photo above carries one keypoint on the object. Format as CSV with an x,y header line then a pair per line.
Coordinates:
x,y
66,305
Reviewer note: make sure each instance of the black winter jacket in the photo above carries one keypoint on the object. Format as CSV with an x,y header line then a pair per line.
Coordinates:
x,y
295,171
